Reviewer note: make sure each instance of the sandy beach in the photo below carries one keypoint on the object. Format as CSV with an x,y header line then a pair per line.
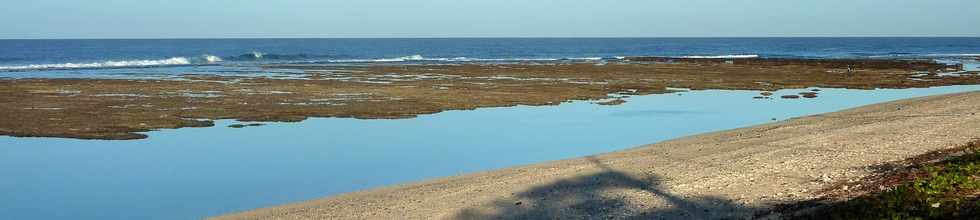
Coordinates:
x,y
728,174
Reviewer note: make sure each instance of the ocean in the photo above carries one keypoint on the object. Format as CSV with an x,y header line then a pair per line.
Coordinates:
x,y
129,58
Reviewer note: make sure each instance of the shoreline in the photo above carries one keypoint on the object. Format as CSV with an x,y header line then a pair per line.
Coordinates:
x,y
725,174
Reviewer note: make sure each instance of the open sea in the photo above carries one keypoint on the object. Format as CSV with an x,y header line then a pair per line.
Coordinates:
x,y
165,57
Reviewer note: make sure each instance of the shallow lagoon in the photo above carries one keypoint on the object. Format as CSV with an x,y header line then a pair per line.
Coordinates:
x,y
196,172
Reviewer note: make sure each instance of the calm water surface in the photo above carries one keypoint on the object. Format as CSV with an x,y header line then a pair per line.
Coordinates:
x,y
197,172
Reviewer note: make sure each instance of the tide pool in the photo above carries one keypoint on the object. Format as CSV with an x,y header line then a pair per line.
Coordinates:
x,y
192,173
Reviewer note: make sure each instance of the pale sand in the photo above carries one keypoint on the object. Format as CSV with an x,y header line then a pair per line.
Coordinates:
x,y
716,175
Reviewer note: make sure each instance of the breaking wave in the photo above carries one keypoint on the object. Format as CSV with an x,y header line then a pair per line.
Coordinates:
x,y
307,58
383,60
106,64
913,55
256,55
951,55
208,59
212,58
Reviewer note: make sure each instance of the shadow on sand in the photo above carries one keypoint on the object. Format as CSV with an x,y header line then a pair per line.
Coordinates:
x,y
609,194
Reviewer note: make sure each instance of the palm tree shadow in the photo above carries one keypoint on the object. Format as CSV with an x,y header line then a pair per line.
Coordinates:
x,y
588,197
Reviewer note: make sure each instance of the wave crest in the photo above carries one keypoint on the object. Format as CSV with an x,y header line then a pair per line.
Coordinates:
x,y
255,55
107,64
212,58
401,59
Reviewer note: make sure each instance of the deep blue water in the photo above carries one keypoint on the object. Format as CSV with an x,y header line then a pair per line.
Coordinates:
x,y
195,172
77,58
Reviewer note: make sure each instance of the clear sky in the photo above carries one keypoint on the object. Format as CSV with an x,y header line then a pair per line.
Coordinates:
x,y
485,18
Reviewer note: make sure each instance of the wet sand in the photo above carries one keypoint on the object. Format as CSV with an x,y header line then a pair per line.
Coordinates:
x,y
121,109
728,174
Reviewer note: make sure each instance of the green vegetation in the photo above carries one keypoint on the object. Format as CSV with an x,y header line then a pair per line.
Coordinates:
x,y
942,190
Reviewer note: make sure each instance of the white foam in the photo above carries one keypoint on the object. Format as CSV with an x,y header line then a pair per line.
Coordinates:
x,y
106,64
934,55
737,56
257,55
955,55
585,58
212,58
403,59
399,59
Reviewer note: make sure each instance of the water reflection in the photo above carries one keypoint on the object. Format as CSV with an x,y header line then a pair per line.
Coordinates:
x,y
195,172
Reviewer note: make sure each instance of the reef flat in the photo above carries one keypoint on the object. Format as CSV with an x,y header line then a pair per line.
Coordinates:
x,y
122,108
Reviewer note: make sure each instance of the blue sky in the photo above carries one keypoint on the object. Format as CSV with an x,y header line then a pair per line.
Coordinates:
x,y
486,18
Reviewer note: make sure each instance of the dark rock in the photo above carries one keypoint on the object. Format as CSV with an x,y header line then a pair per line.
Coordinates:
x,y
245,125
196,123
809,95
790,96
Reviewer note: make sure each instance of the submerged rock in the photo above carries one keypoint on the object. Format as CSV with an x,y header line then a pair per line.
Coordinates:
x,y
790,96
809,95
245,125
612,102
